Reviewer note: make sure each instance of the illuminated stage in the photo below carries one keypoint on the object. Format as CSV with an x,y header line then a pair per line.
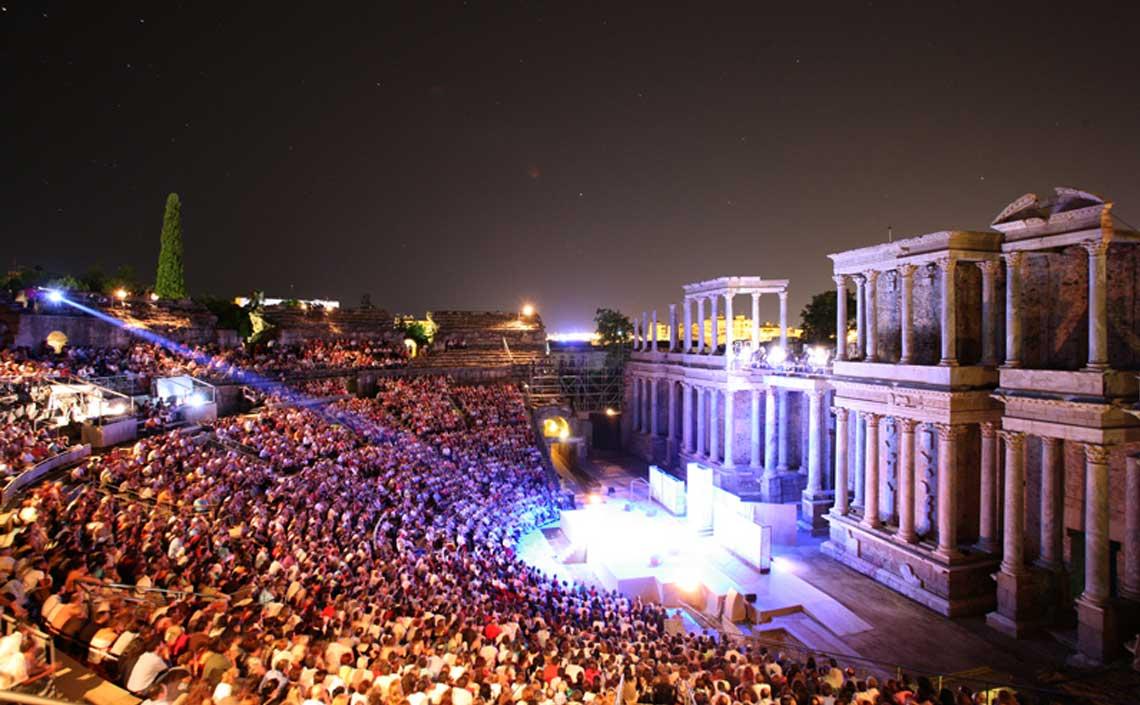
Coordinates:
x,y
638,548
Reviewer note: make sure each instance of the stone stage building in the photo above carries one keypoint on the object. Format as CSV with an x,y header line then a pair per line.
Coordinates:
x,y
975,449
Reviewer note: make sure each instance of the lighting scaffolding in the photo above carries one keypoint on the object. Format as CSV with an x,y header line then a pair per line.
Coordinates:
x,y
585,389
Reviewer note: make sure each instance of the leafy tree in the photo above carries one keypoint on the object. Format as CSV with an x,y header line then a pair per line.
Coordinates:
x,y
614,332
170,282
417,332
230,316
818,317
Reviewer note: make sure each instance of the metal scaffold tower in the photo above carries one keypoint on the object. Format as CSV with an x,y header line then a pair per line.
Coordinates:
x,y
585,389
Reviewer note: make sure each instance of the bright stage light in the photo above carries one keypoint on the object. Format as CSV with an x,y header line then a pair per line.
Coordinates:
x,y
196,399
54,295
593,499
610,411
689,582
818,356
153,296
122,294
527,310
777,355
564,434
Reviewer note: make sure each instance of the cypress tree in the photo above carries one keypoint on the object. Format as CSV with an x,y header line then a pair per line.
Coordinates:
x,y
170,282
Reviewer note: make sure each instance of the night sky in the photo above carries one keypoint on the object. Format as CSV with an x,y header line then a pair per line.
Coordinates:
x,y
479,155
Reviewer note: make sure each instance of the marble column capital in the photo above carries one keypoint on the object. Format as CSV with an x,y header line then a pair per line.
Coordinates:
x,y
870,418
1096,454
1013,259
839,279
859,279
945,263
949,432
1013,439
906,425
989,267
1051,441
872,276
840,413
1095,248
989,429
906,271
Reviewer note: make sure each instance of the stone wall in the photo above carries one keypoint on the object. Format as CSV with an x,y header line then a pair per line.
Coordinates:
x,y
34,329
1054,309
1124,306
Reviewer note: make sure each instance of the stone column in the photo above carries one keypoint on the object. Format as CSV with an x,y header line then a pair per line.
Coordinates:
x,y
841,501
906,289
653,332
770,434
815,432
860,457
782,431
714,439
729,334
906,481
1052,495
701,324
987,494
1098,304
687,416
636,333
1013,309
754,437
871,471
871,311
948,437
840,317
635,403
647,399
860,314
688,334
672,327
949,312
990,269
671,417
1098,636
702,422
729,397
755,321
714,335
784,320
1013,530
1097,587
1130,585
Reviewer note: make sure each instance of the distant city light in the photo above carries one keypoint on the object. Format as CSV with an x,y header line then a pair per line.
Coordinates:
x,y
575,336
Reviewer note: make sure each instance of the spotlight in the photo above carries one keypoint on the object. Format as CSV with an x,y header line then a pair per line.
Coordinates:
x,y
527,310
196,399
122,294
776,356
593,499
54,295
610,411
564,434
818,356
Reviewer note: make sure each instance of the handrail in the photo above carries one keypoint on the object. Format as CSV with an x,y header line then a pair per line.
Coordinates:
x,y
11,696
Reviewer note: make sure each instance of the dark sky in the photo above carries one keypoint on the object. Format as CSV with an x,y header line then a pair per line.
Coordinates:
x,y
573,154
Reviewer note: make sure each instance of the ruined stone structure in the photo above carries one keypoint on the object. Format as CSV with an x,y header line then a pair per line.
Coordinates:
x,y
976,451
484,339
695,397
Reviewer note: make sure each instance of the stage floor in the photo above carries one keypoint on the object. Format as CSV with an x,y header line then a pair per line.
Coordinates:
x,y
637,547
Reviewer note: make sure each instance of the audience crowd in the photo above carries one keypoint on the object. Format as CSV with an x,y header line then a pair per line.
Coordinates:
x,y
360,553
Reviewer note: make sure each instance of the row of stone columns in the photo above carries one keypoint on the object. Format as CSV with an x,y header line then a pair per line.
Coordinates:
x,y
866,312
768,441
1096,515
1097,306
874,464
645,330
